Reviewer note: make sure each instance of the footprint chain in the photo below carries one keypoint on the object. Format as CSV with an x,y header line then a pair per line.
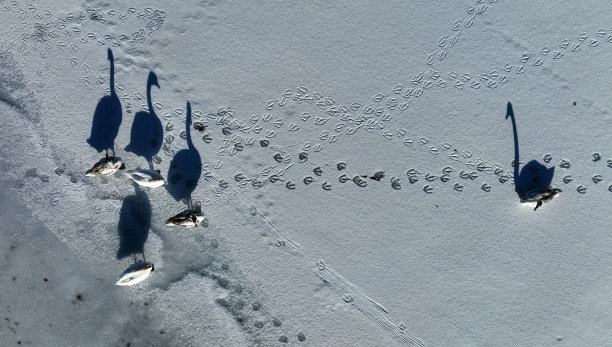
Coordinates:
x,y
371,118
471,168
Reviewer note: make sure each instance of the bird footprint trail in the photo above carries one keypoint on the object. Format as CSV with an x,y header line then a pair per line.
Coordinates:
x,y
374,310
476,168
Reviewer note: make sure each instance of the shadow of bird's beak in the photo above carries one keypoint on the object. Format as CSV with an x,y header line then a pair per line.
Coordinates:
x,y
509,111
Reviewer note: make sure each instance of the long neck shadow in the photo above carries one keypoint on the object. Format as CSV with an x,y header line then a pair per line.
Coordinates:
x,y
134,224
515,163
533,174
147,133
185,168
107,116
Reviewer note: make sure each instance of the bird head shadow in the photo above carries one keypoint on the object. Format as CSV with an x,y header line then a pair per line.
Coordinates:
x,y
533,175
147,133
134,224
185,168
107,117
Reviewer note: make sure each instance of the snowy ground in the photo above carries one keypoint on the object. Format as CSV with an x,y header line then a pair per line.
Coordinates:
x,y
356,173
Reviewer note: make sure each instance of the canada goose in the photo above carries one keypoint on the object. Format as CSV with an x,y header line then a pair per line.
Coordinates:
x,y
532,183
106,166
147,133
136,273
107,117
146,178
187,218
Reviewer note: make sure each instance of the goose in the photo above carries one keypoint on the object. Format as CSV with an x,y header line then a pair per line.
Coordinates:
x,y
185,168
146,136
532,184
136,273
188,218
146,178
107,117
106,166
541,195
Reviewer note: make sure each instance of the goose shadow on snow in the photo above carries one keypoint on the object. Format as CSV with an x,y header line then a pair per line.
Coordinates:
x,y
134,224
107,117
533,174
146,136
185,168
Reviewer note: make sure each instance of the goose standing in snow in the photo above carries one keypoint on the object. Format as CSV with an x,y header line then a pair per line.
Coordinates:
x,y
183,175
188,218
146,178
532,184
146,136
107,117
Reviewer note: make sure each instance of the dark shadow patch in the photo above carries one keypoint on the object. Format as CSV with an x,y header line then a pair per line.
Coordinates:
x,y
134,224
185,168
107,117
147,133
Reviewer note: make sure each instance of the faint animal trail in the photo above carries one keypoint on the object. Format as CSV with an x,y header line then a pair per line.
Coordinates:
x,y
107,117
13,89
358,299
372,309
37,33
528,60
251,214
146,135
431,77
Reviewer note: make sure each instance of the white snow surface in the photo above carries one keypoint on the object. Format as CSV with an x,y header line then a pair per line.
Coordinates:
x,y
423,241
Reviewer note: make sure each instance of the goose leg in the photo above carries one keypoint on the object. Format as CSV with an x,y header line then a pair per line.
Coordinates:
x,y
538,204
